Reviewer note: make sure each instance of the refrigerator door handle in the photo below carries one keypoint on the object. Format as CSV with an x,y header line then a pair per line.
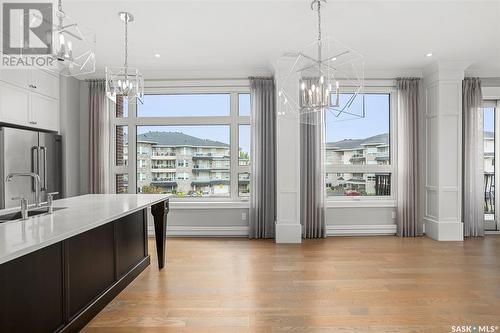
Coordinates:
x,y
35,164
44,161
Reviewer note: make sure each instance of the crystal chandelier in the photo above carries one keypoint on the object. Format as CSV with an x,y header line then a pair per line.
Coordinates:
x,y
326,76
125,81
74,47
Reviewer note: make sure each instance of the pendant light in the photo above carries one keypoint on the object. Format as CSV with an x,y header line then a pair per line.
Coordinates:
x,y
330,77
125,81
73,46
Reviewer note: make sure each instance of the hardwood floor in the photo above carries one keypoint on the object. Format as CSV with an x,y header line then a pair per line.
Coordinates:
x,y
339,284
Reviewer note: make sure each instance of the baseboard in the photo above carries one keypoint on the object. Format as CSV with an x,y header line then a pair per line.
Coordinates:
x,y
204,231
444,230
361,230
289,234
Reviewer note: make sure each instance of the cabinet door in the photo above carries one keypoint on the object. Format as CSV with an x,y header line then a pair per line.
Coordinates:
x,y
14,104
17,77
45,83
91,266
44,112
131,241
31,292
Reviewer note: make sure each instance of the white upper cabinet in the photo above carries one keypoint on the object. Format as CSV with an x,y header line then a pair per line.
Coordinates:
x,y
29,97
45,83
44,112
18,77
14,104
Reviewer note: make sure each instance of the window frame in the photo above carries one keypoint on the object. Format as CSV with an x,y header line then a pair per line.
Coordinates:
x,y
333,201
202,87
495,104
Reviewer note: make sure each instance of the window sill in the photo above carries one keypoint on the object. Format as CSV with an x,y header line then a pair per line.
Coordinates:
x,y
188,205
361,203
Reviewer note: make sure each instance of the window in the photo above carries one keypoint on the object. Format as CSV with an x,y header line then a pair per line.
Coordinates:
x,y
244,145
491,122
189,144
185,105
205,151
244,104
358,157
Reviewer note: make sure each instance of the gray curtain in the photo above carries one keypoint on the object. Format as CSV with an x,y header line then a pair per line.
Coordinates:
x,y
312,175
409,222
263,158
99,138
473,162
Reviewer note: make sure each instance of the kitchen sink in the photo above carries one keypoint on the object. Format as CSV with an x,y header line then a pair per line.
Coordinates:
x,y
35,211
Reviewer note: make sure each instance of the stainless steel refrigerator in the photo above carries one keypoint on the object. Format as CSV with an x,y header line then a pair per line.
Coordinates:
x,y
29,151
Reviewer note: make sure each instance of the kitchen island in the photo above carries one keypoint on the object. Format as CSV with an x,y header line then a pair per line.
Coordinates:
x,y
58,271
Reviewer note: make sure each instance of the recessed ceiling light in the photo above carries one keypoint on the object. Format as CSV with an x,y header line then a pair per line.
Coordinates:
x,y
428,55
157,55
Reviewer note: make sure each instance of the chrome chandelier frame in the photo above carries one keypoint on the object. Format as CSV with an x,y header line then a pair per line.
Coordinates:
x,y
125,81
327,71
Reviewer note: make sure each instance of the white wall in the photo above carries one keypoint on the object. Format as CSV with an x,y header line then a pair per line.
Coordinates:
x,y
202,221
357,221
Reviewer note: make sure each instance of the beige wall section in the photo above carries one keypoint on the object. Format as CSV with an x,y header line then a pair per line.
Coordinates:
x,y
70,131
84,137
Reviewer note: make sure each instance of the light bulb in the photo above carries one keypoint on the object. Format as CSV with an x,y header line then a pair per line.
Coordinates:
x,y
303,86
321,80
313,87
61,39
337,84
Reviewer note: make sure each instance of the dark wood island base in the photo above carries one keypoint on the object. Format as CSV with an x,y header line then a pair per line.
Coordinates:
x,y
61,287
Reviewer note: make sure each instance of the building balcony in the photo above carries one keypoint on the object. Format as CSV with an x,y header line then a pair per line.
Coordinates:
x,y
164,157
163,182
209,156
209,168
357,158
206,182
162,170
382,158
489,193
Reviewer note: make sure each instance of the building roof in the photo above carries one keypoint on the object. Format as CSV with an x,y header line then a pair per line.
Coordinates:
x,y
179,139
349,144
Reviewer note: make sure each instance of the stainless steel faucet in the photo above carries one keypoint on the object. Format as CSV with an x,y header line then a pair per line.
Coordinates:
x,y
35,177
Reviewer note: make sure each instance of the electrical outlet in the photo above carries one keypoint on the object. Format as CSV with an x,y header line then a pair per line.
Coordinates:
x,y
243,216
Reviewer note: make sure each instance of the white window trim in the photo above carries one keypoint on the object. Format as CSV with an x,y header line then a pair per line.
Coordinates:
x,y
374,201
231,87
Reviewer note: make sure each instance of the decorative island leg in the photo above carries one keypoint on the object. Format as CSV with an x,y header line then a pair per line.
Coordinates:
x,y
160,211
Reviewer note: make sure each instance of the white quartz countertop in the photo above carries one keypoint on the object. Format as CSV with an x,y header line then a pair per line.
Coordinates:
x,y
81,213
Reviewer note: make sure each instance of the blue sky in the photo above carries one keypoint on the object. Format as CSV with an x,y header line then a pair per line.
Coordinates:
x,y
489,119
196,105
185,105
376,120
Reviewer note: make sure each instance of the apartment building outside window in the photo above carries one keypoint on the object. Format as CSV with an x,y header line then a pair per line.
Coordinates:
x,y
189,142
360,152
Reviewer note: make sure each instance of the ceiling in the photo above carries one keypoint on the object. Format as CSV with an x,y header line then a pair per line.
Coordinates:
x,y
236,38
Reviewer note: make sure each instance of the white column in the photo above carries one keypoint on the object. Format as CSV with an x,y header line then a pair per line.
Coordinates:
x,y
442,101
288,227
